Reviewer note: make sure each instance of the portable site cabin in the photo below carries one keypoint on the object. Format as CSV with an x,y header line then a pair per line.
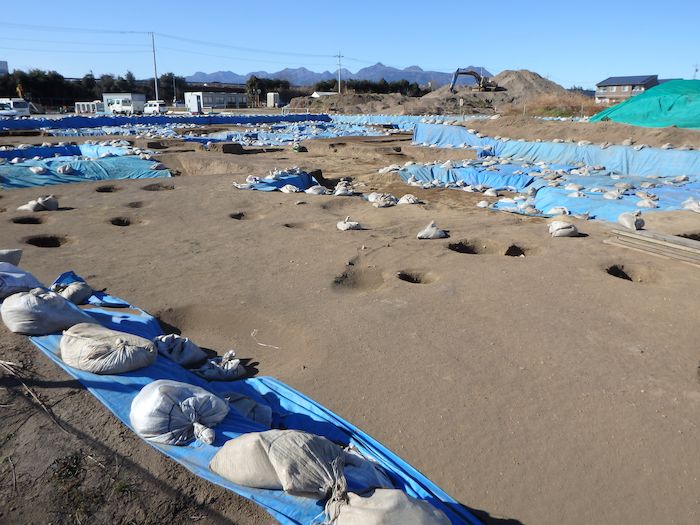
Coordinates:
x,y
273,100
203,101
86,108
124,103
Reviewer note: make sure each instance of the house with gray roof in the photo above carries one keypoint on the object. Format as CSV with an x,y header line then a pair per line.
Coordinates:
x,y
616,89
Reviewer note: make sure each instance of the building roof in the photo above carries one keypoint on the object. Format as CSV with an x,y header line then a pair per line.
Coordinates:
x,y
627,81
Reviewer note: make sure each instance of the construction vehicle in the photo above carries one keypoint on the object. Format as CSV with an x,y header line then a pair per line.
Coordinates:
x,y
482,83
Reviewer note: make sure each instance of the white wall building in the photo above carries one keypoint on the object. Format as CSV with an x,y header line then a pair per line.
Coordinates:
x,y
203,101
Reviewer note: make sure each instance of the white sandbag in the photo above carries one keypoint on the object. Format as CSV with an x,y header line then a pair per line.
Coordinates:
x,y
13,279
558,210
297,462
94,348
38,312
223,368
562,229
157,166
64,169
39,170
76,293
11,256
691,204
632,221
174,413
491,193
289,188
45,203
179,349
316,190
385,507
347,224
408,199
385,200
431,231
249,408
646,203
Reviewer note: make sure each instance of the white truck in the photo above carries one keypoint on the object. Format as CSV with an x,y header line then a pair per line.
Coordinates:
x,y
20,105
155,107
124,103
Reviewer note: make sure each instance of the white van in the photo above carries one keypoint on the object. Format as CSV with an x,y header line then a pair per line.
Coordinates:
x,y
20,105
155,107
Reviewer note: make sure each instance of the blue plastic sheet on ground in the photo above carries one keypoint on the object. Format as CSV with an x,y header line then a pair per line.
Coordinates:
x,y
117,392
619,159
118,167
402,122
109,120
300,179
285,134
444,136
88,150
670,198
501,178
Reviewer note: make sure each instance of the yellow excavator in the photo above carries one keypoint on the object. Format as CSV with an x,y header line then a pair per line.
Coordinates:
x,y
482,83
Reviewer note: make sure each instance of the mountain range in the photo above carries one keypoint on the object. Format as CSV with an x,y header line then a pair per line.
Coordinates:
x,y
304,77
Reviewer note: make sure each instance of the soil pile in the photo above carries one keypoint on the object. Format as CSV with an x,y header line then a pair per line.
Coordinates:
x,y
523,85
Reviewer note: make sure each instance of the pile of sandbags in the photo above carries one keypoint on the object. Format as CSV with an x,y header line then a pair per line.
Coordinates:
x,y
175,413
94,348
40,312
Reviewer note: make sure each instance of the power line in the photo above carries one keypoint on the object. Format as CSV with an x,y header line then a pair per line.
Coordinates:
x,y
239,48
229,57
120,44
74,51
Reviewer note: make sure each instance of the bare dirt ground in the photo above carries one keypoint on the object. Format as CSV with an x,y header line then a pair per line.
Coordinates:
x,y
536,389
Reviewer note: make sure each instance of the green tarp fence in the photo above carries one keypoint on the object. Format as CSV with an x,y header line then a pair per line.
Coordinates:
x,y
673,103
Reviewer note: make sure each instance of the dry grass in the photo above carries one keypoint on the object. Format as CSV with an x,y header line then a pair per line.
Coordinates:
x,y
568,105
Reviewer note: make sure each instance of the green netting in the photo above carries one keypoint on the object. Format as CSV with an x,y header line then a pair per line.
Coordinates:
x,y
673,103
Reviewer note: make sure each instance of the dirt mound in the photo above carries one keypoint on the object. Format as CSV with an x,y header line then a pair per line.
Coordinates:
x,y
523,85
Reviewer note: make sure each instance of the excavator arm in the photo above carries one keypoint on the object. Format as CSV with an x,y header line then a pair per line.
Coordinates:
x,y
483,83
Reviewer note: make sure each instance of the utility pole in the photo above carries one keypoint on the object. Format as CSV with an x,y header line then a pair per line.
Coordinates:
x,y
155,68
174,91
339,66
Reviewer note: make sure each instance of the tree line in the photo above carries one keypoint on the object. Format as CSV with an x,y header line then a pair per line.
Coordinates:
x,y
50,88
404,87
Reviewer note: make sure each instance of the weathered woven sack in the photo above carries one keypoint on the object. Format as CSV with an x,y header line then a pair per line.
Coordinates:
x,y
39,312
175,413
94,348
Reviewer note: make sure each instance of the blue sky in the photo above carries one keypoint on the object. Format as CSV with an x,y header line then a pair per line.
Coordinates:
x,y
572,43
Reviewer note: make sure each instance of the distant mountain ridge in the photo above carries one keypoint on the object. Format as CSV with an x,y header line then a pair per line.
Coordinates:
x,y
304,77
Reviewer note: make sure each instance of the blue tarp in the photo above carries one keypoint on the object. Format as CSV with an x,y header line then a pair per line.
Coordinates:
x,y
619,159
88,150
670,198
403,122
118,167
444,136
501,178
285,134
299,412
301,180
93,122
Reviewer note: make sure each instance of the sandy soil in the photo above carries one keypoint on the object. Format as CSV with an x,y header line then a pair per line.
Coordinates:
x,y
536,389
